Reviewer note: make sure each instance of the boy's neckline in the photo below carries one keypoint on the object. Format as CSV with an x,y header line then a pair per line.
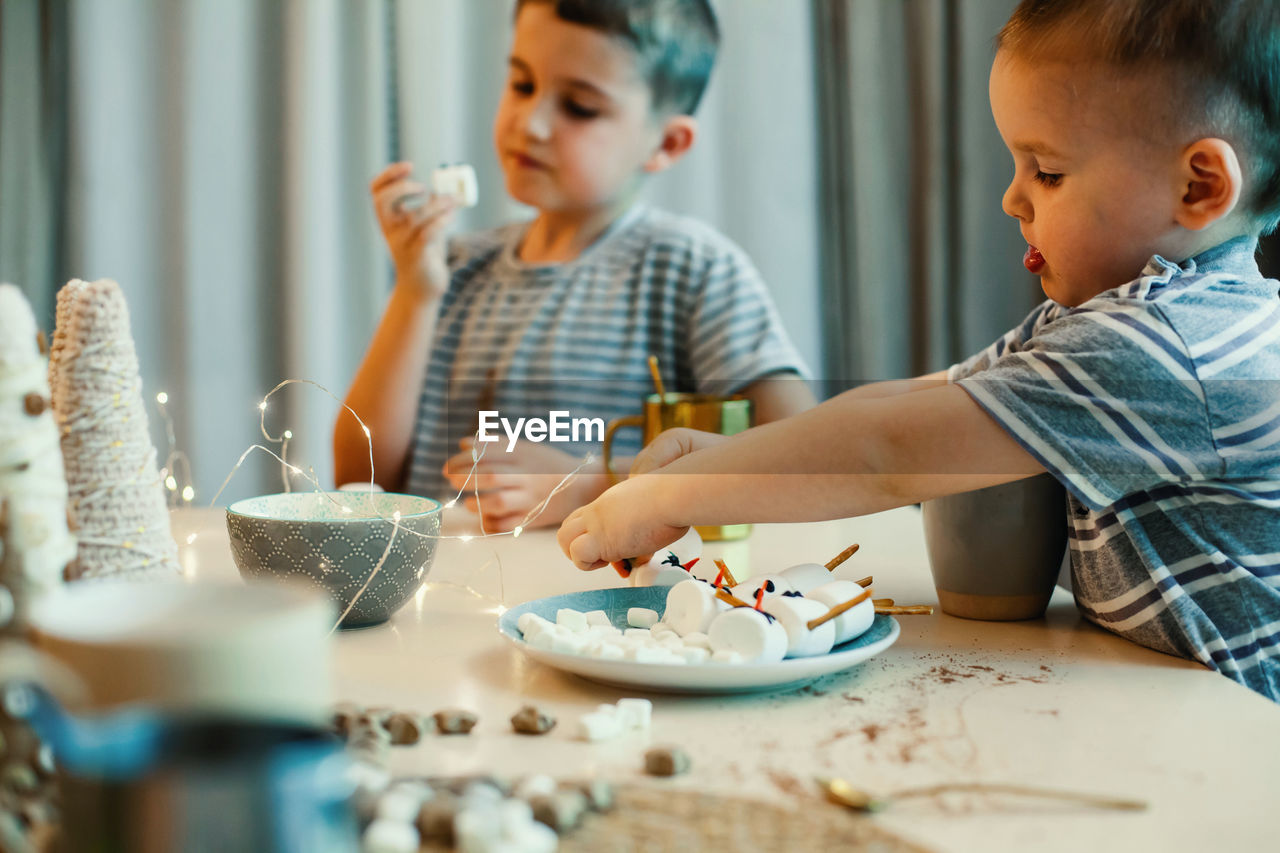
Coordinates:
x,y
511,252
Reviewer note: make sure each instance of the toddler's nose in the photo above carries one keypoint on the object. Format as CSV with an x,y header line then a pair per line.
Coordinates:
x,y
1015,203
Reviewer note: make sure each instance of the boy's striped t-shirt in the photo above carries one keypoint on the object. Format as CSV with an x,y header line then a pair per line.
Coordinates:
x,y
1157,405
525,340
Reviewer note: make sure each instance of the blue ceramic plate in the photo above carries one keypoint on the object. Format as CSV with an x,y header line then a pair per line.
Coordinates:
x,y
686,678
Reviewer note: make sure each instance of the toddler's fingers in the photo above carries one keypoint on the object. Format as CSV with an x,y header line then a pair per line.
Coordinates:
x,y
585,553
570,529
388,201
389,175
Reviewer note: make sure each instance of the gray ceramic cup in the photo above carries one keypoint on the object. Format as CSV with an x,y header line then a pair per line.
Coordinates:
x,y
996,552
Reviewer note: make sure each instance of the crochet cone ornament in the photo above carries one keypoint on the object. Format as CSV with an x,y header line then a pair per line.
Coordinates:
x,y
36,545
116,499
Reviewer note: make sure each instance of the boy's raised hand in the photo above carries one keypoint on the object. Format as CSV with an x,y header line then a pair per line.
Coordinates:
x,y
414,234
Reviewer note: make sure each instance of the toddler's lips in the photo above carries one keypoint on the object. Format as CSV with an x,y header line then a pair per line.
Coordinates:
x,y
1033,260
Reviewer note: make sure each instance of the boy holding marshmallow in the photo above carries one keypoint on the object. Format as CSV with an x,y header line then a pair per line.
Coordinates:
x,y
1146,143
562,313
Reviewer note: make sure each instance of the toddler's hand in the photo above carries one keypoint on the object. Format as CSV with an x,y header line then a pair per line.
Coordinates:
x,y
512,484
415,235
623,523
670,446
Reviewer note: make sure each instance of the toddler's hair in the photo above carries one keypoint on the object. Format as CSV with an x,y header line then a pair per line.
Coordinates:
x,y
1220,58
676,41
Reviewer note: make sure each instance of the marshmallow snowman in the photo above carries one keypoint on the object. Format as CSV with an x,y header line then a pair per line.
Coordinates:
x,y
794,611
692,606
757,637
671,565
806,576
772,585
853,622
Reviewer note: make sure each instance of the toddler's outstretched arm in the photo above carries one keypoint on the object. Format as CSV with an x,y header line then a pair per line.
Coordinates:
x,y
857,453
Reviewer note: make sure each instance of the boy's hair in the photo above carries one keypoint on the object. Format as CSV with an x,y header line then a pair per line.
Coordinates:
x,y
1220,58
675,40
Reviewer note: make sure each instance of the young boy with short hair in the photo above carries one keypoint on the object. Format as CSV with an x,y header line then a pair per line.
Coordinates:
x,y
1146,143
561,313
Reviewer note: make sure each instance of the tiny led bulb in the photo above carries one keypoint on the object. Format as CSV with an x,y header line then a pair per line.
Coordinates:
x,y
466,538
515,534
162,398
262,407
170,483
288,434
188,493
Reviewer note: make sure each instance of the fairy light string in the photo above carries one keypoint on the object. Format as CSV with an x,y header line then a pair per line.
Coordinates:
x,y
478,449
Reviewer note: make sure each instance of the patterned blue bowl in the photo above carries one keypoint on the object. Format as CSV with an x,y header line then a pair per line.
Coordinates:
x,y
334,540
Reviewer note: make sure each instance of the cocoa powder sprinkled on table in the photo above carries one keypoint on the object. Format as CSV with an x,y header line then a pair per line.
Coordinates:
x,y
787,783
872,732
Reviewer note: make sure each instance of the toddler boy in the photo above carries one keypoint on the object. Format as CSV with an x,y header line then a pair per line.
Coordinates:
x,y
1146,155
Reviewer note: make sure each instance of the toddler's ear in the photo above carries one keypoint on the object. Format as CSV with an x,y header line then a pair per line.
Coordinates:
x,y
678,134
1210,181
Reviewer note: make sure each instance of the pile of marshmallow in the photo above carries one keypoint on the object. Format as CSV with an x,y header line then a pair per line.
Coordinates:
x,y
702,624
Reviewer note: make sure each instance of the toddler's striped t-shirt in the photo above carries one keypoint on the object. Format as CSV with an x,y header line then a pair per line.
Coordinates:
x,y
1157,405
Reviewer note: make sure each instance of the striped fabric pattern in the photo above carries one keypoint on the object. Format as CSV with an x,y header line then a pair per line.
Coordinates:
x,y
1157,405
528,339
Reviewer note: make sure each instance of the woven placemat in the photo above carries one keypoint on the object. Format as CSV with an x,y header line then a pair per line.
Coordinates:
x,y
656,820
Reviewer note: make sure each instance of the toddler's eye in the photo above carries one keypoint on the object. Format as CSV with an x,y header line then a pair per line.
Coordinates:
x,y
577,110
522,88
1049,179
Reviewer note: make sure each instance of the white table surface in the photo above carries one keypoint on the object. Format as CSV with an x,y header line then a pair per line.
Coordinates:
x,y
1054,701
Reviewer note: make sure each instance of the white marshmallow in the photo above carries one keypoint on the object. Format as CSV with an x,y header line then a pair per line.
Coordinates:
x,y
794,612
458,181
726,656
641,617
568,644
855,621
599,726
750,633
635,713
529,621
532,786
574,620
390,836
695,654
691,606
806,576
598,618
639,636
697,640
654,573
398,806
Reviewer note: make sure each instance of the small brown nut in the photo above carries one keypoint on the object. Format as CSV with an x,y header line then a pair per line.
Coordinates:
x,y
454,721
598,792
666,761
405,728
530,721
561,811
35,404
435,818
345,716
42,342
375,717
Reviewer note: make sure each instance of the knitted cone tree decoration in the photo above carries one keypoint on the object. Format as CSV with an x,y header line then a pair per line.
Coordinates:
x,y
116,498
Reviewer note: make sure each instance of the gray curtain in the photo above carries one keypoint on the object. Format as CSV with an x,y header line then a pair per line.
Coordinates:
x,y
920,266
33,138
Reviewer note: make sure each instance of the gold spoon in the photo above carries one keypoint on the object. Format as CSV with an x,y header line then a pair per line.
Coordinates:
x,y
842,793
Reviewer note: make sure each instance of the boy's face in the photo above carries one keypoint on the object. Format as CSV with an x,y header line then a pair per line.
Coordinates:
x,y
1095,197
574,126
